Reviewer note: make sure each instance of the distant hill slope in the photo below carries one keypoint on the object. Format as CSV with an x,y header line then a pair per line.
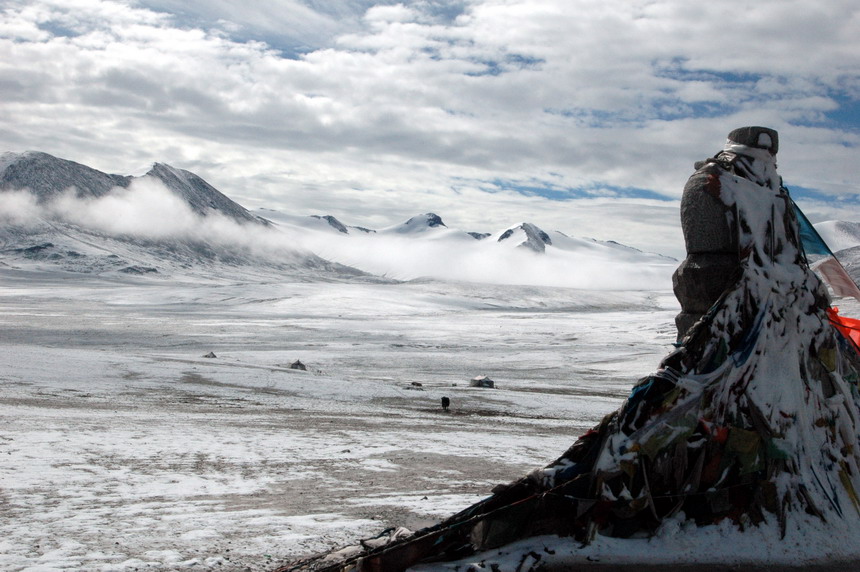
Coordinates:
x,y
60,246
76,240
424,246
843,238
172,222
47,177
200,195
430,227
839,234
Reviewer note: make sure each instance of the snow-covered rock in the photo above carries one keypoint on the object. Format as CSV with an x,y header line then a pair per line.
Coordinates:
x,y
47,176
333,222
61,215
419,224
526,235
202,197
171,220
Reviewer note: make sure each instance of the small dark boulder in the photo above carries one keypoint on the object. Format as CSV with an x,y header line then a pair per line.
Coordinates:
x,y
298,365
139,270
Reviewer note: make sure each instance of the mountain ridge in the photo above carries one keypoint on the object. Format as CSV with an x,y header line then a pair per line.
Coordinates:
x,y
137,233
47,176
199,245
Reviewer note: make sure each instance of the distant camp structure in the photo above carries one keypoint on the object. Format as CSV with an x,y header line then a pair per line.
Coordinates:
x,y
482,381
298,365
753,420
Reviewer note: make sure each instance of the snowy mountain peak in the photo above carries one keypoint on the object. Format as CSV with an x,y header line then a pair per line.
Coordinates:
x,y
420,223
202,197
165,172
333,222
431,220
47,176
10,158
527,235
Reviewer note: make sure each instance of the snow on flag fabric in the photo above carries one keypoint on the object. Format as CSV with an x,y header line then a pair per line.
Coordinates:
x,y
848,327
752,421
832,272
755,416
828,266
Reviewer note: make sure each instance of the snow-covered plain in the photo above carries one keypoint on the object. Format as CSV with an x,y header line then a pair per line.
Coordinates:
x,y
124,448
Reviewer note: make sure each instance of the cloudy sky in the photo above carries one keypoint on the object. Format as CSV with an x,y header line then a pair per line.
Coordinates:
x,y
583,116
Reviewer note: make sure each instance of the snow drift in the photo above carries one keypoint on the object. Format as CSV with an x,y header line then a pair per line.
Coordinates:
x,y
751,424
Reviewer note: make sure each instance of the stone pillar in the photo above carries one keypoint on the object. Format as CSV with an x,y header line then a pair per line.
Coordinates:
x,y
710,233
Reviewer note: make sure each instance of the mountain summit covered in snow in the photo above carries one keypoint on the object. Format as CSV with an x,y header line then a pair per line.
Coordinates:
x,y
528,236
62,214
46,177
419,224
202,197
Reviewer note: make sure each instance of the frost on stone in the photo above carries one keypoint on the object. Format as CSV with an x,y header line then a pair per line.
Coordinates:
x,y
764,140
751,423
754,417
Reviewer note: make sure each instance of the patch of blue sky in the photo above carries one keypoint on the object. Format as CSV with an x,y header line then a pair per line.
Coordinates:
x,y
847,115
676,69
444,12
670,109
511,62
490,68
432,52
640,115
559,193
289,50
57,29
521,62
284,45
800,194
596,117
663,109
192,16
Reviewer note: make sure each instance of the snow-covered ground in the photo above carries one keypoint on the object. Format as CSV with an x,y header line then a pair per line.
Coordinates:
x,y
124,448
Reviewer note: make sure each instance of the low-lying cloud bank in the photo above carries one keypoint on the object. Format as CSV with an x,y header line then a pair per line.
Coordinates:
x,y
486,261
148,211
